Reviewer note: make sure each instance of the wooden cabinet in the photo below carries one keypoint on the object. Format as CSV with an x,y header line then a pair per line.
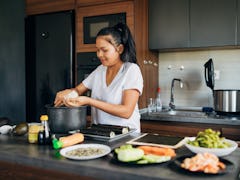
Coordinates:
x,y
46,6
168,24
94,2
147,60
98,10
180,24
188,129
212,23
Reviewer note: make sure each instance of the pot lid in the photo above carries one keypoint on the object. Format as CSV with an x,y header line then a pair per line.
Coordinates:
x,y
209,73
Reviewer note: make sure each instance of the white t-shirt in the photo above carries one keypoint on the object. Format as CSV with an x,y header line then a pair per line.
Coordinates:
x,y
128,77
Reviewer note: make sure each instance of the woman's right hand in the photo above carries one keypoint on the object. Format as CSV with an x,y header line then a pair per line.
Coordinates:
x,y
63,95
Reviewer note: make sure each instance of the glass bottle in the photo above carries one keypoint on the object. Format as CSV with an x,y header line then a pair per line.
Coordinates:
x,y
44,136
151,105
158,101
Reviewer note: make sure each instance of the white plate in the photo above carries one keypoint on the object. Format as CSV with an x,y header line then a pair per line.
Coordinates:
x,y
216,151
106,150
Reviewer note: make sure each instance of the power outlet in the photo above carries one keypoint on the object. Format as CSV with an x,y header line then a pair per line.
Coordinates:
x,y
216,74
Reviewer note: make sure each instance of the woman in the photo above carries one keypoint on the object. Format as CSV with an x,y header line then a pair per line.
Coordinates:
x,y
115,85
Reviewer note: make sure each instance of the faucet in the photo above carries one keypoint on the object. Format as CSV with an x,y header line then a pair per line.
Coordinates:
x,y
171,104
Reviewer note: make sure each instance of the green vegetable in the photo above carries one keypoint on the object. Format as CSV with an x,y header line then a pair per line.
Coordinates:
x,y
209,139
125,146
129,155
155,158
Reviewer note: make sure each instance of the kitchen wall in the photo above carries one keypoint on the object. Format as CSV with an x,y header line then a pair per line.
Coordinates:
x,y
195,91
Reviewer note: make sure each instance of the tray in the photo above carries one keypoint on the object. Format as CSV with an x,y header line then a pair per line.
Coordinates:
x,y
104,132
105,138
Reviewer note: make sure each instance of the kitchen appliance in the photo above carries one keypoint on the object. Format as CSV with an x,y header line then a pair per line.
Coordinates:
x,y
226,101
50,62
86,63
64,119
93,24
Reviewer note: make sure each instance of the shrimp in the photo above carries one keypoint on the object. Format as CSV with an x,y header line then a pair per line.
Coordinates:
x,y
206,162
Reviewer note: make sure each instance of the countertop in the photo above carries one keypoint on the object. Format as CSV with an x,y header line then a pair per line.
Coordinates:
x,y
204,119
17,150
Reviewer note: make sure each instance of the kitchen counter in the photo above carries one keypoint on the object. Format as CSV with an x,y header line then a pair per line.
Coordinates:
x,y
205,119
17,150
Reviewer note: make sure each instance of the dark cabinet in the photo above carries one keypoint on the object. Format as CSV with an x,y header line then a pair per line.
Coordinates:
x,y
183,129
238,22
212,23
168,24
175,24
48,6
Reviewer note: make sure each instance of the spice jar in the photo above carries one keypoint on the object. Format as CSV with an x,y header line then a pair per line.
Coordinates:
x,y
33,131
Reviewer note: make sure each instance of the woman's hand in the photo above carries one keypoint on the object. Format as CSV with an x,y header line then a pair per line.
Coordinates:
x,y
78,101
63,95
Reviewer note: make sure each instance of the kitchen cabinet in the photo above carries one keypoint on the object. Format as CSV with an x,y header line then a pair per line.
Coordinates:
x,y
94,2
46,6
212,23
238,22
168,24
147,60
187,129
98,10
192,23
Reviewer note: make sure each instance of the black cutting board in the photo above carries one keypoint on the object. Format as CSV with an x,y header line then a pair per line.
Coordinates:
x,y
158,140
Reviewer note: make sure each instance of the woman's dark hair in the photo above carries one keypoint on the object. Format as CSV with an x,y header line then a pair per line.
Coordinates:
x,y
121,35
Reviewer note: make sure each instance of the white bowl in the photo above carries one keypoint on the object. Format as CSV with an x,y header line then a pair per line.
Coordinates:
x,y
216,151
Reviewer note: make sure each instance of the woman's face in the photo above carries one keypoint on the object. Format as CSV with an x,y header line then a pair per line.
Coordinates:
x,y
108,54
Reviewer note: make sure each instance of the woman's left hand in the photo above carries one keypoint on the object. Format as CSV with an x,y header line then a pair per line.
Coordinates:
x,y
76,102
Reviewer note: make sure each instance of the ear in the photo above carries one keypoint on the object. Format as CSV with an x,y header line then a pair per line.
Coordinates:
x,y
120,49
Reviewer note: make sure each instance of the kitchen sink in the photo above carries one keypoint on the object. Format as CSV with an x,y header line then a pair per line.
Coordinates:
x,y
182,113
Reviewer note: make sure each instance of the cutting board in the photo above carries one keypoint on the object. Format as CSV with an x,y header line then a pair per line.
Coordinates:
x,y
158,140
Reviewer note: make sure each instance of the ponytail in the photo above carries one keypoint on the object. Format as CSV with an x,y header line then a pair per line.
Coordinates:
x,y
121,35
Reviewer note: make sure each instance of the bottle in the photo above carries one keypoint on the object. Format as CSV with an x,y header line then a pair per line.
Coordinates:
x,y
158,101
151,105
44,136
67,140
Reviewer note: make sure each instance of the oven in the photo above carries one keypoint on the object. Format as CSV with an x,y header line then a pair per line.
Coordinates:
x,y
86,63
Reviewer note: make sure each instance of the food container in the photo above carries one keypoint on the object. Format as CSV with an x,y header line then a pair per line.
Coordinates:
x,y
64,119
33,130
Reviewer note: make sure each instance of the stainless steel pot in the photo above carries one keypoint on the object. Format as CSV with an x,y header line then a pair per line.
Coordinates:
x,y
65,119
225,100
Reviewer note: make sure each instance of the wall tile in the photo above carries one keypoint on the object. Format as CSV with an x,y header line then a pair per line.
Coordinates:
x,y
195,91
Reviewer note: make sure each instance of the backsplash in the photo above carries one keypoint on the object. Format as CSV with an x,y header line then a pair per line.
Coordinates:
x,y
195,91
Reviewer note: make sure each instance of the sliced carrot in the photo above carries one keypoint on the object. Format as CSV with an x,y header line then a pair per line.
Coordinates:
x,y
158,151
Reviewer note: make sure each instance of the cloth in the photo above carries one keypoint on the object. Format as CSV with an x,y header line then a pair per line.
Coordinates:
x,y
128,77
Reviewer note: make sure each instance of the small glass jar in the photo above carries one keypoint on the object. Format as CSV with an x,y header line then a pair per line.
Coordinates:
x,y
33,131
151,105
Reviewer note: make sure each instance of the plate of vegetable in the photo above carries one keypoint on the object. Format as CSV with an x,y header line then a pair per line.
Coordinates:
x,y
203,163
211,142
142,155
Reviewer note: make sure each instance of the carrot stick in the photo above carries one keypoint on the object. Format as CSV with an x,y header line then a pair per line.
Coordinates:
x,y
72,139
158,151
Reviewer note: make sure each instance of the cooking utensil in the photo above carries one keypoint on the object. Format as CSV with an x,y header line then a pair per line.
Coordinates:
x,y
225,100
64,119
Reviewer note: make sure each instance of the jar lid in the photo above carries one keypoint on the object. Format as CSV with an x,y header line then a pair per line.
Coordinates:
x,y
44,117
35,128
